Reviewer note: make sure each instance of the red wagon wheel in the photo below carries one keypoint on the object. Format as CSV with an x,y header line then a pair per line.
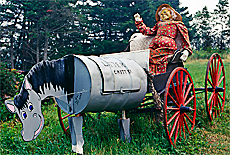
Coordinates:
x,y
63,119
215,87
180,105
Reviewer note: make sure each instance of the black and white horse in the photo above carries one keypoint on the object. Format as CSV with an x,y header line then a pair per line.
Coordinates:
x,y
47,78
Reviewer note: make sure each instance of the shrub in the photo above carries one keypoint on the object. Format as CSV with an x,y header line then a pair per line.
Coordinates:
x,y
202,54
9,83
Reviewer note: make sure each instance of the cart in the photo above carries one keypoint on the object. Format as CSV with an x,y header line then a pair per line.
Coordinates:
x,y
177,91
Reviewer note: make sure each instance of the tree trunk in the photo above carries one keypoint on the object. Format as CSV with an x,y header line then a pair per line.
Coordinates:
x,y
46,43
11,52
37,51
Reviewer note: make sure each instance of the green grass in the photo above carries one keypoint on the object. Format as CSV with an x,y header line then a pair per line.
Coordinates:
x,y
101,135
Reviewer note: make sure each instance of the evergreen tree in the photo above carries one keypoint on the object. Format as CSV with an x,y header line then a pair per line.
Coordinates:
x,y
112,22
221,16
202,22
227,32
10,15
51,29
43,29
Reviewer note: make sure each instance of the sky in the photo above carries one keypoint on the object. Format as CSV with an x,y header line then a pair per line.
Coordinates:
x,y
198,5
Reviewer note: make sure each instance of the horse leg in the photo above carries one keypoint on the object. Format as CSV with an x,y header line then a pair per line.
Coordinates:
x,y
75,124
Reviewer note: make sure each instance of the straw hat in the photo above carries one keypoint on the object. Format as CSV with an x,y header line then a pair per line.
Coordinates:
x,y
175,15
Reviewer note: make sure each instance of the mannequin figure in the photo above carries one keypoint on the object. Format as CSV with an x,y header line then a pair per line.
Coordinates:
x,y
170,35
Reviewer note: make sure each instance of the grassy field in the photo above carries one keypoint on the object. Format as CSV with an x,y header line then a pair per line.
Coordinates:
x,y
102,136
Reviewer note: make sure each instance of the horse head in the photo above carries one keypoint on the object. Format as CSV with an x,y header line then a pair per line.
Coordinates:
x,y
27,105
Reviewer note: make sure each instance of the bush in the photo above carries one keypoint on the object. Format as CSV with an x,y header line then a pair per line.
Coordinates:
x,y
202,54
9,83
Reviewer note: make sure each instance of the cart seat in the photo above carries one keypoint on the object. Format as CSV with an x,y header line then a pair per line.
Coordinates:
x,y
160,80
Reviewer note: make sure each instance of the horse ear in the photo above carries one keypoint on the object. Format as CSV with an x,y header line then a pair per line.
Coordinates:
x,y
27,85
10,106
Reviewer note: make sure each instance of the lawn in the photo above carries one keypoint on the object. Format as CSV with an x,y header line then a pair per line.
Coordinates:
x,y
101,135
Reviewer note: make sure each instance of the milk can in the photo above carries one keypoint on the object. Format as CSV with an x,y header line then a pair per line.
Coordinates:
x,y
105,84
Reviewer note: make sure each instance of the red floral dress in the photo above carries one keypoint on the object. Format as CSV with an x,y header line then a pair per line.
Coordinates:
x,y
163,44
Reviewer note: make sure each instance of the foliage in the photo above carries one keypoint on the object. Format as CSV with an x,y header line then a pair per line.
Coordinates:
x,y
212,28
9,84
204,29
205,54
221,16
37,29
51,29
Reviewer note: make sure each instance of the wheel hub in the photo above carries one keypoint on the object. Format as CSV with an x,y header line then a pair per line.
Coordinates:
x,y
219,89
185,109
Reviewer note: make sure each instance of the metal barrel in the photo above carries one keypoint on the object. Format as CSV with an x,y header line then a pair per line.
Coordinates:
x,y
105,84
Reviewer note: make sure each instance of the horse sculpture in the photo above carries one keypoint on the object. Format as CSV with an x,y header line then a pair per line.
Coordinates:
x,y
79,84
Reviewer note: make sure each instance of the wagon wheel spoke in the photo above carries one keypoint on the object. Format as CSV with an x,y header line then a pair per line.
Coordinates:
x,y
218,106
212,73
177,84
170,120
215,65
221,102
188,90
66,116
220,96
172,108
222,78
185,84
211,83
176,132
183,128
174,101
218,66
181,82
218,73
211,105
174,125
189,100
211,98
186,125
63,122
189,118
174,91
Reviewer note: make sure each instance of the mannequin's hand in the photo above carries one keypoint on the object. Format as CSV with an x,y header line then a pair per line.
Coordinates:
x,y
184,55
137,17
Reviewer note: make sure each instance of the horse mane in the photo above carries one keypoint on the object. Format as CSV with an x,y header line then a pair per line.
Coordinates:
x,y
59,73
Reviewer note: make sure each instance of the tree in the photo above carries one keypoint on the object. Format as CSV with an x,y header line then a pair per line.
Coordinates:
x,y
221,16
39,26
202,22
227,31
10,20
51,29
112,22
48,24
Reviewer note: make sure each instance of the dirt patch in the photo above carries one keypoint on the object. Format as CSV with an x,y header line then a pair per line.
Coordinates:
x,y
219,143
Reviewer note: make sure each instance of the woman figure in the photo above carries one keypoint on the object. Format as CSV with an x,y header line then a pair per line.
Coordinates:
x,y
170,35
